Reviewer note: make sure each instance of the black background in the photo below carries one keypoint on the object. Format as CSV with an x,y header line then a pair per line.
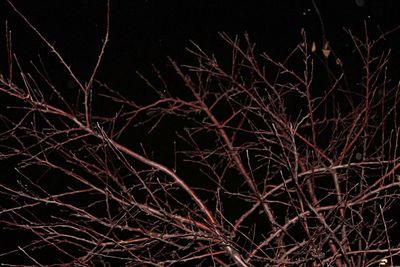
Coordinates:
x,y
146,32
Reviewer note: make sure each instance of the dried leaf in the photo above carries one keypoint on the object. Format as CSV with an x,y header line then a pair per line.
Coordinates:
x,y
326,52
313,47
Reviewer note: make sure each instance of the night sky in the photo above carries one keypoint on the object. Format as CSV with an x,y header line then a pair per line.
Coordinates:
x,y
146,32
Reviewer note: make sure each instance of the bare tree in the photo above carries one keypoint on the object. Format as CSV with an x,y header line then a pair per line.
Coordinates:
x,y
271,162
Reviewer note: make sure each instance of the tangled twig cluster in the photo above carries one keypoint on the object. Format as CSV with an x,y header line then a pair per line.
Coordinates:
x,y
275,163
